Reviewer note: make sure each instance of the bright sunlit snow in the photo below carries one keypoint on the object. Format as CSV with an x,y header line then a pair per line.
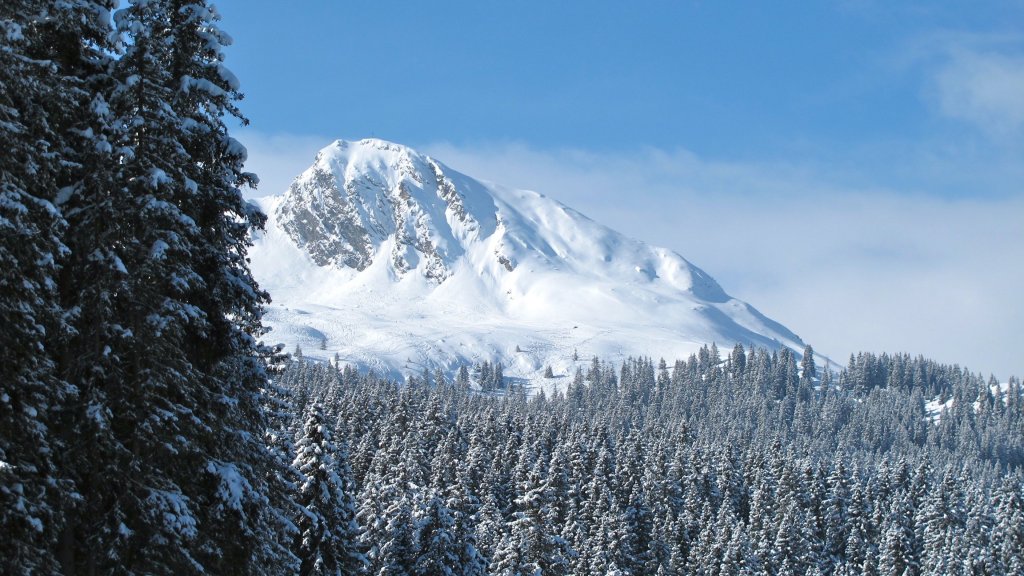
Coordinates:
x,y
406,264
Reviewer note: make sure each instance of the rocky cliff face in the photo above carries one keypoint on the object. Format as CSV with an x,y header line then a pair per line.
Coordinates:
x,y
357,196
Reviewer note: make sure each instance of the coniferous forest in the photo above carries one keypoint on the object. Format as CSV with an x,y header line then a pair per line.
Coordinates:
x,y
748,464
144,429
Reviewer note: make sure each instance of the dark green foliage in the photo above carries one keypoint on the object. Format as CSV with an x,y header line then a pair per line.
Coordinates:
x,y
52,57
701,469
327,539
132,406
490,376
162,350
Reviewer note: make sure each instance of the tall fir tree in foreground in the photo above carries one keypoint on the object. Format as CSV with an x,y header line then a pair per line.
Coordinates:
x,y
30,228
147,389
53,61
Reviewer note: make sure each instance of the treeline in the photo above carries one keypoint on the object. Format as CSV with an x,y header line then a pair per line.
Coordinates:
x,y
747,464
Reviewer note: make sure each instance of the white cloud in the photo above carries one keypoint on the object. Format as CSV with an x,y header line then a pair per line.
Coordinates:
x,y
278,158
983,88
847,267
975,78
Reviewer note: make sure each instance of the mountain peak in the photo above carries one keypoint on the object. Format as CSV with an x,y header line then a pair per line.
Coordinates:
x,y
368,151
361,199
386,249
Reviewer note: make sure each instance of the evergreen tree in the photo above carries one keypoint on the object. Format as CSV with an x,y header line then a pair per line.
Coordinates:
x,y
282,478
1008,535
440,552
485,376
789,551
896,550
399,545
498,377
941,520
52,56
327,543
535,538
808,371
836,514
452,509
165,316
462,379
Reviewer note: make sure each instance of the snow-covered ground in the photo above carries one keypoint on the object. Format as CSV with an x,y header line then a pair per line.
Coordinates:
x,y
935,406
405,264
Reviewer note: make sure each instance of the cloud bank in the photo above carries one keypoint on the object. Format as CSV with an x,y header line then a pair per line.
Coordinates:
x,y
977,79
984,89
277,158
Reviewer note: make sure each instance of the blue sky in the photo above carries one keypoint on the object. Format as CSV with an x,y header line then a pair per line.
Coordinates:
x,y
853,169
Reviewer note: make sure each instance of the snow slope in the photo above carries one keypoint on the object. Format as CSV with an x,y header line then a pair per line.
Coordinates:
x,y
395,262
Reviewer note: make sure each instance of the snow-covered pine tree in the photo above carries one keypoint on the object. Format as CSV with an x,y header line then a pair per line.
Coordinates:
x,y
895,553
498,377
327,543
168,450
50,55
462,378
449,481
836,517
399,544
808,371
1008,536
941,520
437,533
282,477
486,376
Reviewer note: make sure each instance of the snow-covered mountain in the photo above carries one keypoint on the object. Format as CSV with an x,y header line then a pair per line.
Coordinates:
x,y
395,262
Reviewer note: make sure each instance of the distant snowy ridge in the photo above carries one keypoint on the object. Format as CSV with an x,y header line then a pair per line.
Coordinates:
x,y
394,262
